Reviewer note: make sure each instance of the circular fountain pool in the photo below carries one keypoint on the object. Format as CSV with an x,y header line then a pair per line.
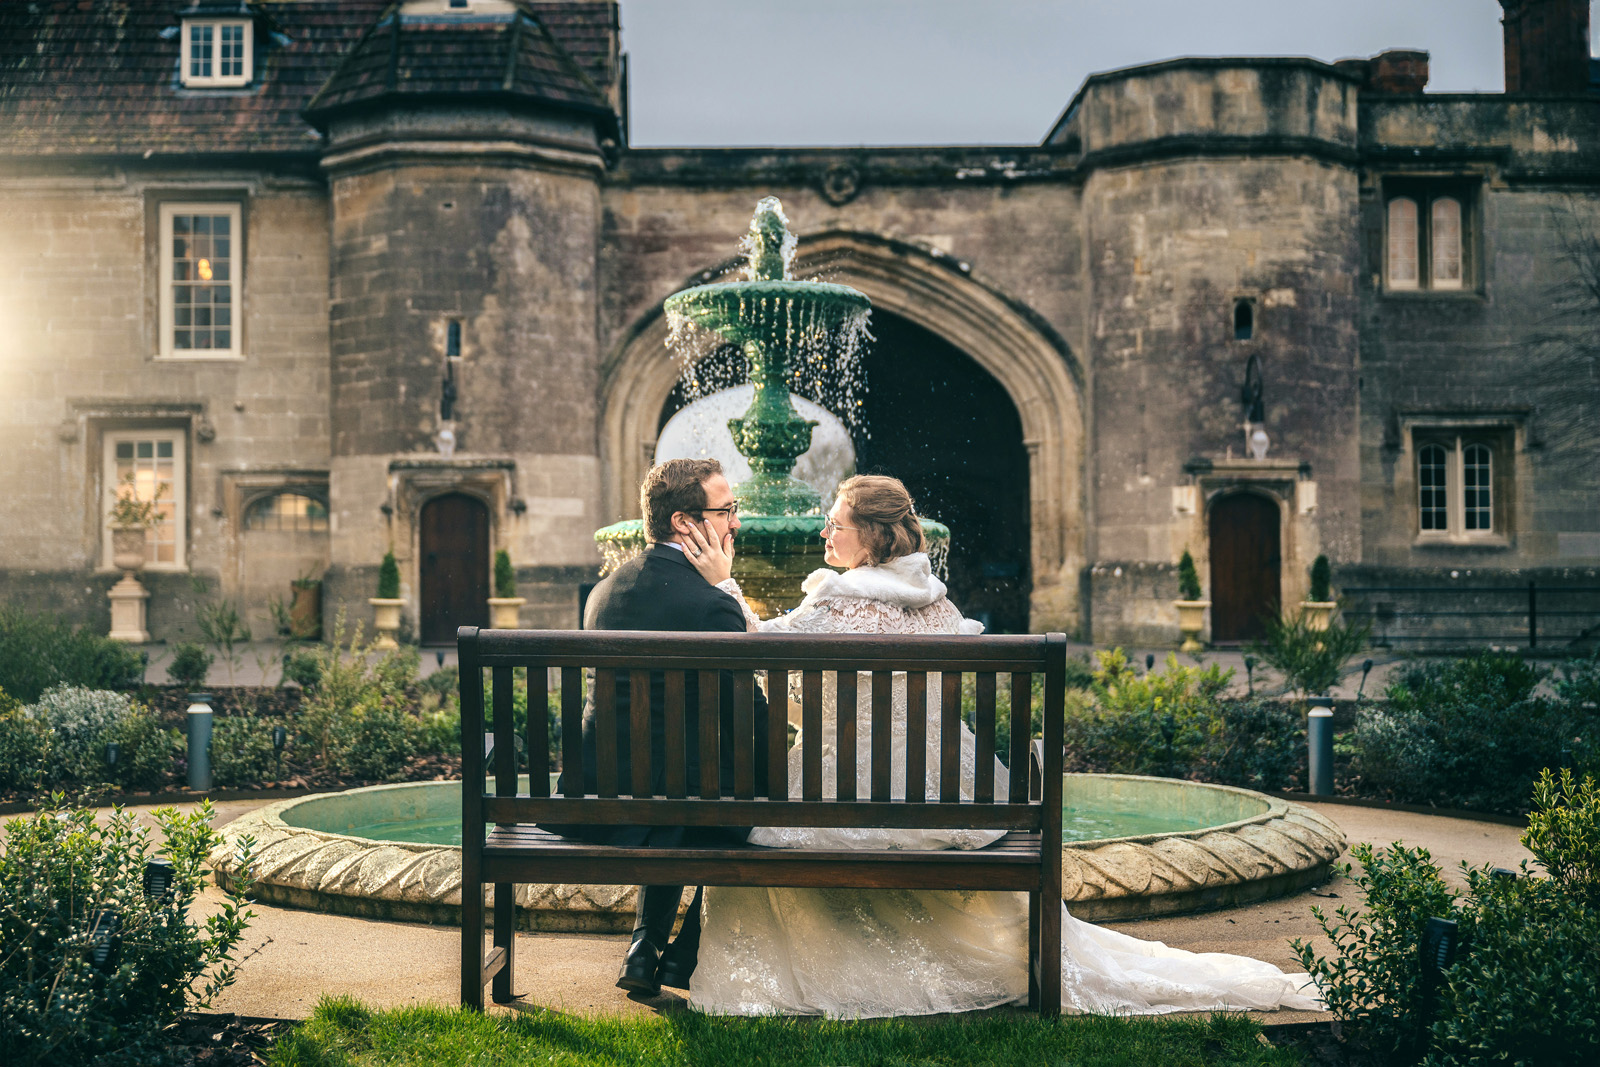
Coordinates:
x,y
1134,847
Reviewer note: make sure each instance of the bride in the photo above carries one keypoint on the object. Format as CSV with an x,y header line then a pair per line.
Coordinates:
x,y
858,953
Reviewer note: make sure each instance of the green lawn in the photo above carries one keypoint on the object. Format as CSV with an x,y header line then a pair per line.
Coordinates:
x,y
342,1033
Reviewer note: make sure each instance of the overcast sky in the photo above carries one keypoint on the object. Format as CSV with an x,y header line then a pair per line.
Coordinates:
x,y
882,72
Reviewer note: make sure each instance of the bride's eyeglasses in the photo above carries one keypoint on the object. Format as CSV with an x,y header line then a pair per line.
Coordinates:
x,y
829,526
731,510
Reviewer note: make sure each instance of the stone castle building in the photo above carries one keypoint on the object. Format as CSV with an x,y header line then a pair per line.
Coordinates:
x,y
259,254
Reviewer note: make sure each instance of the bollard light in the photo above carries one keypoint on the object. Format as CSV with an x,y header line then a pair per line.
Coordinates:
x,y
1366,669
200,742
1441,941
1319,746
112,754
280,737
159,876
1503,874
1250,673
439,657
1149,662
105,940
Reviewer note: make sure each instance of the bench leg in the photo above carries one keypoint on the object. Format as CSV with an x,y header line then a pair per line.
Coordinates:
x,y
1033,951
1050,910
471,944
505,939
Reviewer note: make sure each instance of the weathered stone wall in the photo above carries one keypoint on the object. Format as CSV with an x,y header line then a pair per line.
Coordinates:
x,y
78,360
1513,350
509,252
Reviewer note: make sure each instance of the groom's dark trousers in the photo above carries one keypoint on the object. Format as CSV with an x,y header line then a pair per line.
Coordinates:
x,y
661,590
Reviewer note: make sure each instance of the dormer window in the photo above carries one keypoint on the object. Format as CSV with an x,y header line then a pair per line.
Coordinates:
x,y
217,52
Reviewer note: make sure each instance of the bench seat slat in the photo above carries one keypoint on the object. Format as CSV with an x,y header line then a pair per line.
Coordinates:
x,y
802,871
760,812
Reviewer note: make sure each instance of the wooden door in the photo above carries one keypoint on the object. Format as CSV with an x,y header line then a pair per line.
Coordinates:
x,y
1246,558
455,567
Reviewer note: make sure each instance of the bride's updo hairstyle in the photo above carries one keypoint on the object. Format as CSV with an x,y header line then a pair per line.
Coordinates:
x,y
884,516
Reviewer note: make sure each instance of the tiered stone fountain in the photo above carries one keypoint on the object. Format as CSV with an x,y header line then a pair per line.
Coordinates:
x,y
780,323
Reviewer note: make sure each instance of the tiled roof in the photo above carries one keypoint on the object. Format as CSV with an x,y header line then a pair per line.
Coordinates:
x,y
511,56
101,77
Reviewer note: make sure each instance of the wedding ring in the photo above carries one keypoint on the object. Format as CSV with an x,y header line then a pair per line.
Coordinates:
x,y
697,553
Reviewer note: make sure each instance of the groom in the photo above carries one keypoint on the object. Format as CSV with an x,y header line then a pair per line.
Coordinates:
x,y
660,590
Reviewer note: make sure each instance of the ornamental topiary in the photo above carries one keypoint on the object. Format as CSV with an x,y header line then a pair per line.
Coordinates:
x,y
1321,577
189,665
505,577
1188,579
389,578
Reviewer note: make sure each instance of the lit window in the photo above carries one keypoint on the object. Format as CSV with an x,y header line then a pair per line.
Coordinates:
x,y
216,53
152,462
1455,486
200,282
1426,242
287,511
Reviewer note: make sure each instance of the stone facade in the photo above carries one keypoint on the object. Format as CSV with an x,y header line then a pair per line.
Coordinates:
x,y
1179,219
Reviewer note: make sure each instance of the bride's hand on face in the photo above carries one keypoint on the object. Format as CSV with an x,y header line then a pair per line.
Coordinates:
x,y
711,555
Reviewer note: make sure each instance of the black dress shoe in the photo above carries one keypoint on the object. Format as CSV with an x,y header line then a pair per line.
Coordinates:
x,y
639,966
677,964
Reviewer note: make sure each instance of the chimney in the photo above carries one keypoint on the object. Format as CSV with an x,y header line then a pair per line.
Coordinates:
x,y
1399,70
1547,46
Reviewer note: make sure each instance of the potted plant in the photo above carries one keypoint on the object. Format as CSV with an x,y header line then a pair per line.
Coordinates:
x,y
131,517
505,602
305,608
386,605
1191,608
1318,606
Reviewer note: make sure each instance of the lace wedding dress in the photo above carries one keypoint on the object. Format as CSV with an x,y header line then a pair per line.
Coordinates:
x,y
858,953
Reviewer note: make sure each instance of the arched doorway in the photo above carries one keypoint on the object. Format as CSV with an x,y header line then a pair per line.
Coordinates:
x,y
454,559
939,422
1031,363
1246,565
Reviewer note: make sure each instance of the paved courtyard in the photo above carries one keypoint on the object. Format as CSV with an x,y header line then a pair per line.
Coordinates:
x,y
291,958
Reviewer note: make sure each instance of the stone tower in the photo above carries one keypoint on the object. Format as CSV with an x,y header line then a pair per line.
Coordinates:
x,y
464,151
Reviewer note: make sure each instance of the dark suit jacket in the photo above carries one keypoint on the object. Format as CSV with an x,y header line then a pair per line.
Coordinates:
x,y
660,590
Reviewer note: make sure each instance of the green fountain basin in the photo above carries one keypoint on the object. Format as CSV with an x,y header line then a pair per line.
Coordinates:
x,y
1139,853
767,310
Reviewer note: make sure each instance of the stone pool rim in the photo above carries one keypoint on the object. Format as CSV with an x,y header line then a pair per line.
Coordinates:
x,y
1282,848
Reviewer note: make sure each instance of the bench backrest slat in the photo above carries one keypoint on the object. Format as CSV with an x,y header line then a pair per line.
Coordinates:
x,y
777,732
505,754
710,685
744,735
538,709
949,737
705,686
983,790
811,726
571,716
605,732
848,751
916,736
1021,733
672,708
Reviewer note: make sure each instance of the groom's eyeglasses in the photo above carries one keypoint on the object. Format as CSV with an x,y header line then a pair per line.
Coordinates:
x,y
731,510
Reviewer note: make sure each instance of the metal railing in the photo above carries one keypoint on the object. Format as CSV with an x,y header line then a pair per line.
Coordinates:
x,y
1534,616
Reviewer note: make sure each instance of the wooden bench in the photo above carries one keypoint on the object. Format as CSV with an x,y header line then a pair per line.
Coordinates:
x,y
1027,859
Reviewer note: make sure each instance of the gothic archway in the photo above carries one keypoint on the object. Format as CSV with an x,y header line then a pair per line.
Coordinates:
x,y
1032,364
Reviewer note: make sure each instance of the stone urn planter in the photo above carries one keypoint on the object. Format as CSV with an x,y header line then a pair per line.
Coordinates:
x,y
1318,613
386,621
503,611
128,597
1191,620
